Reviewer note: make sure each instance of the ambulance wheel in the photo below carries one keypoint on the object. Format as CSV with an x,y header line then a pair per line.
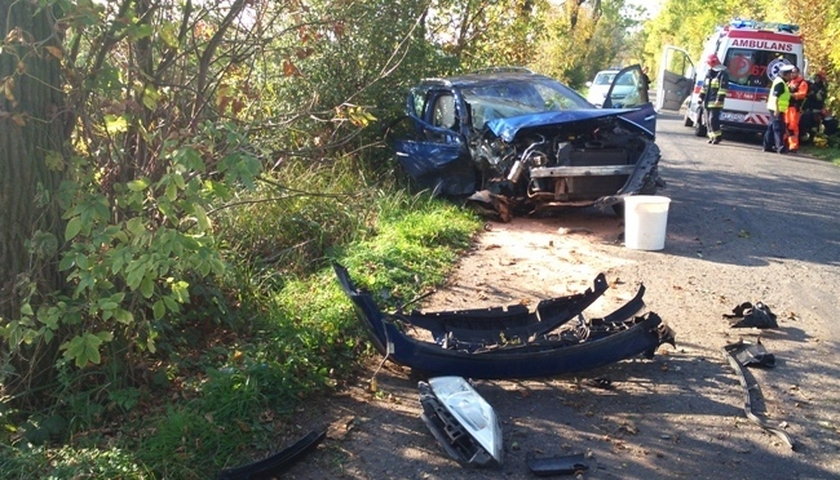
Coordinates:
x,y
699,128
687,121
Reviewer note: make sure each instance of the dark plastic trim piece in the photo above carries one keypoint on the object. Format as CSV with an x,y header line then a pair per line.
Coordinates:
x,y
276,464
586,346
740,355
562,465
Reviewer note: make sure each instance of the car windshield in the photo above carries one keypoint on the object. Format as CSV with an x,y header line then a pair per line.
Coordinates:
x,y
604,78
511,98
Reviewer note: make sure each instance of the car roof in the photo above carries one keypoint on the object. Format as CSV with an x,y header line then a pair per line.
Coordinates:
x,y
486,77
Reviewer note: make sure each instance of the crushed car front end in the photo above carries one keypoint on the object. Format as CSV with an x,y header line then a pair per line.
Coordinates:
x,y
521,141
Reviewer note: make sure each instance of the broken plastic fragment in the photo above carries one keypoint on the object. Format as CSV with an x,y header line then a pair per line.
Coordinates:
x,y
748,315
562,465
734,353
463,423
274,465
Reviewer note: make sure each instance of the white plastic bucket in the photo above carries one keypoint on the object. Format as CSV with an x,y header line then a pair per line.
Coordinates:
x,y
645,221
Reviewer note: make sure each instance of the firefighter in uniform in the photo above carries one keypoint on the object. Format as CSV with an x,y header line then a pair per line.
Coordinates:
x,y
777,103
813,109
712,95
798,91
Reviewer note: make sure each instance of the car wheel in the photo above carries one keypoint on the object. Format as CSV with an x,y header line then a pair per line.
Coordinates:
x,y
699,128
687,121
618,209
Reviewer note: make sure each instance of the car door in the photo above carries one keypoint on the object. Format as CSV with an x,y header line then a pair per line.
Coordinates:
x,y
675,80
436,156
629,89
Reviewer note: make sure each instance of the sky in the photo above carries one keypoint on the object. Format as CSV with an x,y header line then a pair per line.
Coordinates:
x,y
651,7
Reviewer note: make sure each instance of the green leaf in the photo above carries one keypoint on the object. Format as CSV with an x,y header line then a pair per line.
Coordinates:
x,y
138,185
26,309
150,97
136,225
171,191
105,336
190,158
54,161
201,217
134,277
115,124
67,261
169,34
82,261
74,226
147,287
124,316
181,291
171,304
106,305
83,349
159,309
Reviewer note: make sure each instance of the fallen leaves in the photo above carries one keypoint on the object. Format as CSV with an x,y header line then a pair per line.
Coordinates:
x,y
340,428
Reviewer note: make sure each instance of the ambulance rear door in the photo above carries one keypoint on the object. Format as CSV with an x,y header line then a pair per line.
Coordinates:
x,y
751,72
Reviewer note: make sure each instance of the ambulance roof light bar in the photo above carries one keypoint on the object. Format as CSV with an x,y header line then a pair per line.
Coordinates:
x,y
755,25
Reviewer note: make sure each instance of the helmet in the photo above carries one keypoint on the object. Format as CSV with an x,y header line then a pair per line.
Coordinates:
x,y
713,60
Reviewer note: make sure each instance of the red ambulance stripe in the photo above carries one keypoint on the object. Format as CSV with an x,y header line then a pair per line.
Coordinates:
x,y
775,37
751,96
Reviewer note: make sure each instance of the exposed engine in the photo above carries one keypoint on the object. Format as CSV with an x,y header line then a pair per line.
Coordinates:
x,y
569,165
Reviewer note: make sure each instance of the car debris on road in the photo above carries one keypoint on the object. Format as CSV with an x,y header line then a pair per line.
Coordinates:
x,y
740,355
578,346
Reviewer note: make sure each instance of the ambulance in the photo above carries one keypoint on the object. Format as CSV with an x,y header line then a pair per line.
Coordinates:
x,y
753,52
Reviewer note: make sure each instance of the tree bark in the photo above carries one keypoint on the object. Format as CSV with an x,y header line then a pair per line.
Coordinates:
x,y
33,138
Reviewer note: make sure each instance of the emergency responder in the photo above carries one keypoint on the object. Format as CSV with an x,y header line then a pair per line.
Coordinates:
x,y
712,95
777,104
798,91
813,109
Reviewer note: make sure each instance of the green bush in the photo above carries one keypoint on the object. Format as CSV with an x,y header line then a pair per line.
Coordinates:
x,y
68,462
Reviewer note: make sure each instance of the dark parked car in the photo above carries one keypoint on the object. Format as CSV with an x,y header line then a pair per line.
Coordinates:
x,y
519,141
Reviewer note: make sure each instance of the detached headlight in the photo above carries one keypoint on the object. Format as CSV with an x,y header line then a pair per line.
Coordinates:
x,y
462,422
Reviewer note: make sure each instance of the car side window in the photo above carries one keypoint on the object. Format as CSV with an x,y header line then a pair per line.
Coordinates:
x,y
417,103
443,114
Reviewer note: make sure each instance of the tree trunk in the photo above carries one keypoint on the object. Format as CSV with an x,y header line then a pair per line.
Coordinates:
x,y
33,137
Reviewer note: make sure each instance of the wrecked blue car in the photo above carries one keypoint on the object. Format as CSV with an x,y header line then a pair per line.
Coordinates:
x,y
512,140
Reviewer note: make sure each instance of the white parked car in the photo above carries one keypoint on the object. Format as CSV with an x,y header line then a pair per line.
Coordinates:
x,y
599,86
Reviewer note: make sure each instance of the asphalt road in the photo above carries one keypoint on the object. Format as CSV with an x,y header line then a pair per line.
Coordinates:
x,y
784,209
744,225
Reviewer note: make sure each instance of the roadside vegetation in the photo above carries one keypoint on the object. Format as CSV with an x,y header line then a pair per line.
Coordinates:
x,y
829,153
176,178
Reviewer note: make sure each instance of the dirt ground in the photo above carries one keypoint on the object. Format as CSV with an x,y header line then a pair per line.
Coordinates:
x,y
679,415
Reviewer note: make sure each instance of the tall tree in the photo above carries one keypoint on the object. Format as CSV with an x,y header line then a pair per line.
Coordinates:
x,y
34,123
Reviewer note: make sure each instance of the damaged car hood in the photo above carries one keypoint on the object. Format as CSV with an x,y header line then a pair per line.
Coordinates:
x,y
507,128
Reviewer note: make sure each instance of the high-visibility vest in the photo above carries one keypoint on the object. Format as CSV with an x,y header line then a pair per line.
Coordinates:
x,y
784,98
